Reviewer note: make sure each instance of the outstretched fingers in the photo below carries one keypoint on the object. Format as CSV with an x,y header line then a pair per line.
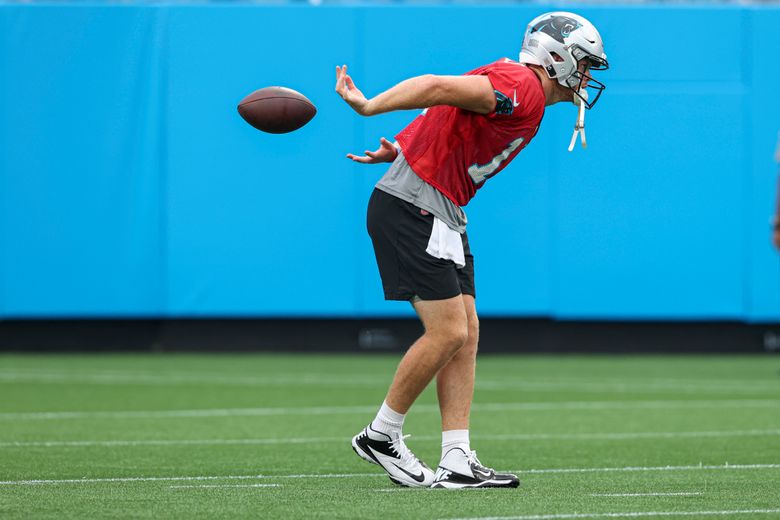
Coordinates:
x,y
359,158
339,80
342,80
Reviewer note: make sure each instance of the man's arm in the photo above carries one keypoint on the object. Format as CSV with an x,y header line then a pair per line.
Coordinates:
x,y
474,93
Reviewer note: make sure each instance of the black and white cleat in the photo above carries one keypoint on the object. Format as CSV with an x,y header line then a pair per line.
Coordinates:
x,y
461,470
393,456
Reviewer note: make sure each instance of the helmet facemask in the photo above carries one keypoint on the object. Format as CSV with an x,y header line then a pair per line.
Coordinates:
x,y
582,84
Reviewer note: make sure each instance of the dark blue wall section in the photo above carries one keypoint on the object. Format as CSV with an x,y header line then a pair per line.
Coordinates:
x,y
129,186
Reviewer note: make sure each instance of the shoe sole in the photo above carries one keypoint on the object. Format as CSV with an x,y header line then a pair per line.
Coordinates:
x,y
486,484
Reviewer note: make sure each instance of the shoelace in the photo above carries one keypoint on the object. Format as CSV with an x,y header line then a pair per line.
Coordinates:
x,y
472,458
399,446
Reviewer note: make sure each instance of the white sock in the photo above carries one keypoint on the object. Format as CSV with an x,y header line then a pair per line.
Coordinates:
x,y
455,439
388,421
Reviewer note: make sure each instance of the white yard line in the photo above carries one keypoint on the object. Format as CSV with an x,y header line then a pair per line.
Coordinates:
x,y
624,435
214,486
402,489
178,479
171,442
323,440
700,467
726,466
645,494
368,409
635,514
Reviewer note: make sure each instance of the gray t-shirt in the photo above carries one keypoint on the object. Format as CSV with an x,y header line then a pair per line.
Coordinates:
x,y
401,181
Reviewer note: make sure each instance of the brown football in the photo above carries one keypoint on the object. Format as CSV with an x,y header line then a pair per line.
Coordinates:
x,y
276,110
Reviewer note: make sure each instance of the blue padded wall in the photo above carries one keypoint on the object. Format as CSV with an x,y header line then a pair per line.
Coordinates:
x,y
80,156
130,187
258,223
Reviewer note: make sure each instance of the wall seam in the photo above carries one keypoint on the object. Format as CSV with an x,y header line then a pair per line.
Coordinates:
x,y
748,173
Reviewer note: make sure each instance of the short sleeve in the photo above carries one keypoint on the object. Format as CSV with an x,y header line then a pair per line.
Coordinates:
x,y
519,97
502,82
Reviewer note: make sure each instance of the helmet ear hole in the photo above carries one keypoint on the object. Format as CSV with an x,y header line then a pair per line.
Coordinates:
x,y
557,57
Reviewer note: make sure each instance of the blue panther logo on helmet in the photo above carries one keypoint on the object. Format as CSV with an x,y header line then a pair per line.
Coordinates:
x,y
557,27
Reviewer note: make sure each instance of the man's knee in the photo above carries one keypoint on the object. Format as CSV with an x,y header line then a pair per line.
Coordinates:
x,y
472,340
457,336
473,328
446,323
452,335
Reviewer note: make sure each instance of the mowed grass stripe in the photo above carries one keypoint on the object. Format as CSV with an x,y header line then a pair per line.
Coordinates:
x,y
680,494
118,378
634,469
221,486
519,383
325,440
424,408
635,514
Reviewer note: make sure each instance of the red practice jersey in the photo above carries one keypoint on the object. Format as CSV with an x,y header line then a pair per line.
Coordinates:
x,y
456,150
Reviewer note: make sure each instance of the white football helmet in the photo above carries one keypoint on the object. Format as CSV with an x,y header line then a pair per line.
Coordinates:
x,y
557,42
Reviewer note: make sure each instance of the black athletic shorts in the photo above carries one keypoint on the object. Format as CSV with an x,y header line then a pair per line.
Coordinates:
x,y
400,232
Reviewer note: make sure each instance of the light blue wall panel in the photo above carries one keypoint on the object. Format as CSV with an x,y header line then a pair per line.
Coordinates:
x,y
648,217
651,44
129,185
258,224
654,234
760,170
80,152
5,50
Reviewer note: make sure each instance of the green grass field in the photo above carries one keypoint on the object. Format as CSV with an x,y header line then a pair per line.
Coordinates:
x,y
248,436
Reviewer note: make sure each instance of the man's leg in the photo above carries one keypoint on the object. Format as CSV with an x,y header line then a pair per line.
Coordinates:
x,y
446,331
455,382
455,387
381,441
459,466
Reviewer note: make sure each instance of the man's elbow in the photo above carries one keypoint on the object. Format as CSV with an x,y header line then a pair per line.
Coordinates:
x,y
435,90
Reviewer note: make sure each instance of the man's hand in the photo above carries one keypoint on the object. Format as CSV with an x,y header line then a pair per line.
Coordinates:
x,y
346,88
387,152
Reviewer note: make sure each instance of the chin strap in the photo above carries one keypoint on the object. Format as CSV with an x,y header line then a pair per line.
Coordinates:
x,y
579,125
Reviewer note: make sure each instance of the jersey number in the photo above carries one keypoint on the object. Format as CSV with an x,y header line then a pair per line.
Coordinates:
x,y
479,172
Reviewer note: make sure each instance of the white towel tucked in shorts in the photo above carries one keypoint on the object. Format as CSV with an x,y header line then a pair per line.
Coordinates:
x,y
446,244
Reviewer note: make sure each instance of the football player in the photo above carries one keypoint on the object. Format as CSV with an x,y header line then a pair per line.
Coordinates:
x,y
472,127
